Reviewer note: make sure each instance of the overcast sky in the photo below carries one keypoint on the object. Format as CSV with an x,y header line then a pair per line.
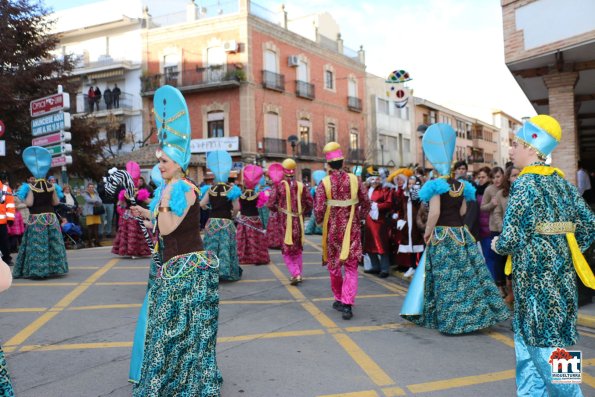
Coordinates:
x,y
453,49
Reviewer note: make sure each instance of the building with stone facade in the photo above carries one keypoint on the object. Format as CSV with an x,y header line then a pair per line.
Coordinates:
x,y
390,127
258,84
549,48
508,126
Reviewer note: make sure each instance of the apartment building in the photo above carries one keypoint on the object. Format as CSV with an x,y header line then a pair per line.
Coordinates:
x,y
549,47
508,127
258,84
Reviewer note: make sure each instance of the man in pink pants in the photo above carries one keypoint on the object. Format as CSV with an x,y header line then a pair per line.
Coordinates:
x,y
291,199
340,204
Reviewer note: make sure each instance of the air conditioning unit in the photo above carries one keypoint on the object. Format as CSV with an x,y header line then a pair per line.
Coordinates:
x,y
293,61
230,46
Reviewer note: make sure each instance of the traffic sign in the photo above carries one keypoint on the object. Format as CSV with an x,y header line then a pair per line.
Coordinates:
x,y
61,160
2,148
49,104
50,123
52,139
2,128
64,148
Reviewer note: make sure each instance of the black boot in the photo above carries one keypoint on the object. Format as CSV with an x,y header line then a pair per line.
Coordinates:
x,y
347,313
338,306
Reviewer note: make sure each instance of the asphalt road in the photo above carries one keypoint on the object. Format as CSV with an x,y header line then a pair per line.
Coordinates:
x,y
72,336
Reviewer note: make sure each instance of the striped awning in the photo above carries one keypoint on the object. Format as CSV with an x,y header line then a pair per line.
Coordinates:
x,y
106,73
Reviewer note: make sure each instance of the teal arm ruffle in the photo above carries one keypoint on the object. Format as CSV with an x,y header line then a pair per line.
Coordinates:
x,y
178,202
59,191
469,191
23,191
203,190
234,193
432,188
155,200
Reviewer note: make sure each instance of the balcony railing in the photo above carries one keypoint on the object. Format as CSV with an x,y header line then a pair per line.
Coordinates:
x,y
125,102
354,104
304,89
308,149
273,81
275,146
198,78
356,155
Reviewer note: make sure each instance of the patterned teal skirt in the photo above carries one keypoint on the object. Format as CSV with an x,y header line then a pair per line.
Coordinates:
x,y
459,293
264,213
220,239
178,332
42,253
5,383
311,227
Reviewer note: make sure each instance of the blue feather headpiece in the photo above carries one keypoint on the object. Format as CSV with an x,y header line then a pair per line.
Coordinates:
x,y
173,124
38,161
439,146
219,162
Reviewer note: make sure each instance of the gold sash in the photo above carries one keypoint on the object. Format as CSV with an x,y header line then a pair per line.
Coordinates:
x,y
326,182
289,215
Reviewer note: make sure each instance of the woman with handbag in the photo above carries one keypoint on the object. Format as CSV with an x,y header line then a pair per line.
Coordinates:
x,y
92,210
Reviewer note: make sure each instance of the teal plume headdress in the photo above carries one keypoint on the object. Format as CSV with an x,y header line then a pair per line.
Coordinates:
x,y
219,162
357,170
439,145
318,175
38,161
173,124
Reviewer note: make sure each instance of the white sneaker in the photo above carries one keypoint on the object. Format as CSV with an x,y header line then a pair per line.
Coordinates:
x,y
409,273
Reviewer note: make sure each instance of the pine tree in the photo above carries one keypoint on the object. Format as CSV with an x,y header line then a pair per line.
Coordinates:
x,y
28,70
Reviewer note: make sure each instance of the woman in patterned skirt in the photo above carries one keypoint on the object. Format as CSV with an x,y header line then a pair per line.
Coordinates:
x,y
42,253
459,295
251,236
174,345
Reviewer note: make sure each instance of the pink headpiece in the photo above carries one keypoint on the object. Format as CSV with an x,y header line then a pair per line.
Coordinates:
x,y
252,175
332,152
134,170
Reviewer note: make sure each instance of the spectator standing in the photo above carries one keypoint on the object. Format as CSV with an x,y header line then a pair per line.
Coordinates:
x,y
7,215
97,97
91,99
108,98
107,219
92,200
488,203
116,96
584,183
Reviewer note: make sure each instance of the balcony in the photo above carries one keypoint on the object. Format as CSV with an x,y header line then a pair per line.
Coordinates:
x,y
356,155
104,66
354,104
308,149
275,147
304,90
214,77
125,105
273,81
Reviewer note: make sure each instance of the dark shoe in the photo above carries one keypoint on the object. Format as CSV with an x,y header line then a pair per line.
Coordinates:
x,y
347,313
383,275
372,271
338,306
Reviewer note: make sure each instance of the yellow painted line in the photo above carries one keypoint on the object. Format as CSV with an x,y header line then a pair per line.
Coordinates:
x,y
588,379
123,283
374,372
508,341
24,310
29,330
371,296
42,284
99,307
366,393
366,328
268,302
388,285
461,382
270,335
589,362
75,346
83,267
393,391
313,245
586,320
585,333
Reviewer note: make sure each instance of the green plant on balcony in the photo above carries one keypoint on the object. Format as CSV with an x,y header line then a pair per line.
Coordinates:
x,y
150,82
236,74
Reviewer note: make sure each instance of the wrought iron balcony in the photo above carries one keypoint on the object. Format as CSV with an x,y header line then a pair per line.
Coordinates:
x,y
273,81
308,149
275,146
124,102
356,155
304,89
354,104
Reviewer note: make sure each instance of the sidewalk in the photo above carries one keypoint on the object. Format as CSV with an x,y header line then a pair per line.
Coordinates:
x,y
586,313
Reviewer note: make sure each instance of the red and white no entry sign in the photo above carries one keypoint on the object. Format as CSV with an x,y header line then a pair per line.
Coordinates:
x,y
2,128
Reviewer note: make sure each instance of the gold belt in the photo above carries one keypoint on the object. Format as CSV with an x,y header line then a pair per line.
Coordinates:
x,y
283,210
342,203
555,227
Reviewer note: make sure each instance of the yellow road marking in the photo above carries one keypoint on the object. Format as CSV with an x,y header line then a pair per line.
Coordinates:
x,y
371,296
313,245
508,341
585,333
24,310
586,320
388,285
268,302
393,391
270,335
461,382
29,330
46,284
366,328
367,393
588,379
75,346
98,307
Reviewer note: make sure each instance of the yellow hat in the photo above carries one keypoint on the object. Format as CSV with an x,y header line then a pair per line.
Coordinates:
x,y
401,171
332,151
542,133
289,166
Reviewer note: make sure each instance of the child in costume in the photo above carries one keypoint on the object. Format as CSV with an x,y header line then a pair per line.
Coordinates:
x,y
220,232
546,226
458,295
42,253
174,344
251,235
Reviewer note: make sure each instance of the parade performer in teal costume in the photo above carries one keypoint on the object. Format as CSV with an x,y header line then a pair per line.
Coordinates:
x,y
220,231
42,253
311,226
174,344
452,289
546,227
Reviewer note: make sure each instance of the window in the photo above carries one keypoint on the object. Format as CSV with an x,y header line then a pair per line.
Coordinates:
x,y
216,59
383,106
270,61
331,132
272,125
404,113
304,134
352,88
426,118
216,124
170,69
329,78
302,71
406,145
432,117
353,140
